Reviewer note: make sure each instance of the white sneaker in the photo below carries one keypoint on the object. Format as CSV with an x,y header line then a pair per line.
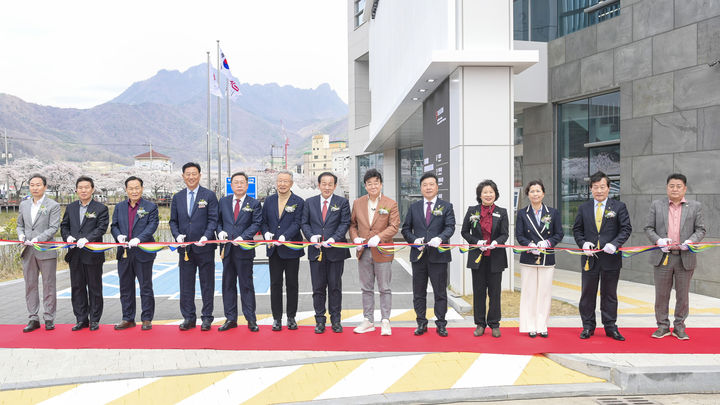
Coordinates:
x,y
365,326
385,329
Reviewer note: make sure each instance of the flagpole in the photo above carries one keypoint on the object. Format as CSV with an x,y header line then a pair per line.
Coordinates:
x,y
227,104
208,120
220,184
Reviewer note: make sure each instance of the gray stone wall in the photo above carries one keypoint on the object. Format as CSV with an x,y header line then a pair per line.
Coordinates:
x,y
657,54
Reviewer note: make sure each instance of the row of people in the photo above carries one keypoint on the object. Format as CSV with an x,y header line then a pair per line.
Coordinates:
x,y
197,216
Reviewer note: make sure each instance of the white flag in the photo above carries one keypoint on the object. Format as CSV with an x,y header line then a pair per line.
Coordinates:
x,y
224,67
214,88
233,89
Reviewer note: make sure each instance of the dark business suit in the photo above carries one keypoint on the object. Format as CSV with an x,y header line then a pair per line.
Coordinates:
x,y
603,268
86,266
283,259
327,273
201,259
487,273
237,262
528,230
432,263
137,263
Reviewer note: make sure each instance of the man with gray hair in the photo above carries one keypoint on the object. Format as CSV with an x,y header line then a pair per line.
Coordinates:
x,y
282,215
38,221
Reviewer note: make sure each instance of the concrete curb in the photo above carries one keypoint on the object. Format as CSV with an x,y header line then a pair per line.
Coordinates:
x,y
457,303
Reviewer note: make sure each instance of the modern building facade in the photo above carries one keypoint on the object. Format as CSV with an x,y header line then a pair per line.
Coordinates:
x,y
548,89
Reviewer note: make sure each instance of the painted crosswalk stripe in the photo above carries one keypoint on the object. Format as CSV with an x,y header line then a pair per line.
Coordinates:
x,y
33,395
372,377
306,383
436,371
541,370
490,370
170,390
98,393
239,386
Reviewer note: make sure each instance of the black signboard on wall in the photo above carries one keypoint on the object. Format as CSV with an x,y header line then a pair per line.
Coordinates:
x,y
436,137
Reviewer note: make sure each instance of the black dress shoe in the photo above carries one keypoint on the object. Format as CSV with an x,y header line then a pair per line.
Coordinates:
x,y
320,328
292,325
49,325
146,325
31,326
206,325
227,325
79,326
253,326
337,328
94,325
420,330
615,335
532,334
586,333
124,325
187,325
442,331
277,325
543,334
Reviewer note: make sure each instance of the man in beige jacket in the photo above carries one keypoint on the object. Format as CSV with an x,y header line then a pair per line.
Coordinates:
x,y
375,219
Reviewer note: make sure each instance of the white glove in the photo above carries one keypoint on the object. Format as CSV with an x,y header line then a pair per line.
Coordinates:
x,y
663,242
533,251
70,239
81,242
269,236
133,242
31,242
684,245
586,248
315,238
328,242
235,241
180,239
21,238
122,238
419,241
202,241
358,240
280,239
609,248
543,244
492,245
374,241
222,235
435,242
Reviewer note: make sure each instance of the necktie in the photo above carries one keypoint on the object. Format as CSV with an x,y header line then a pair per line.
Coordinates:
x,y
428,213
324,210
236,211
192,203
598,216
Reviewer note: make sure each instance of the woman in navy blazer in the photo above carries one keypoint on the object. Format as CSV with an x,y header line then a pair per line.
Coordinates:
x,y
537,226
486,224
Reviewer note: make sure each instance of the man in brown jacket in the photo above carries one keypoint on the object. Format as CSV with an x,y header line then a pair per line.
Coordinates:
x,y
375,219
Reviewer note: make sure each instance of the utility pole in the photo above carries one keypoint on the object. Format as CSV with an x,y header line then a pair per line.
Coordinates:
x,y
7,180
208,122
220,184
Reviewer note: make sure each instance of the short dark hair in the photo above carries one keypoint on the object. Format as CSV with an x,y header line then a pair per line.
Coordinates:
x,y
677,176
534,183
323,174
191,164
597,176
428,175
38,176
372,173
239,174
132,178
84,178
482,185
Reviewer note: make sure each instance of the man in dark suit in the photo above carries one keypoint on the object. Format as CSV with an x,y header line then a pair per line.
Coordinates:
x,y
85,220
193,218
135,221
429,221
240,217
601,223
282,216
325,220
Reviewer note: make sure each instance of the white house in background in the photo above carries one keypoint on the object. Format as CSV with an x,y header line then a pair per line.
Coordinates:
x,y
153,160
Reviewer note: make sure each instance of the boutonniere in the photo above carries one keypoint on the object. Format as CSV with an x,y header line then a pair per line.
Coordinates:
x,y
610,214
383,211
247,208
438,211
202,204
290,208
334,208
90,215
546,222
42,209
141,212
475,218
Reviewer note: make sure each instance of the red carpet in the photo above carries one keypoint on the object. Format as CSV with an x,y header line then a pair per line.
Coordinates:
x,y
561,340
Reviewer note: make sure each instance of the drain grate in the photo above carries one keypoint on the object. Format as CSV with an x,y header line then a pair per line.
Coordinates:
x,y
625,401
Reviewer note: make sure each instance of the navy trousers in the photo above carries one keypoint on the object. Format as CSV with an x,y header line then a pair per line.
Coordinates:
x,y
128,270
327,282
204,266
238,272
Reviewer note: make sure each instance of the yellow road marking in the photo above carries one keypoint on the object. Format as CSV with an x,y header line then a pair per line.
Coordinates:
x,y
170,390
306,383
436,371
541,370
32,395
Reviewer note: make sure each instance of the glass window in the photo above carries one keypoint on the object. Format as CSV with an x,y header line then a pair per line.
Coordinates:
x,y
359,12
364,163
581,123
409,172
543,20
572,16
520,20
